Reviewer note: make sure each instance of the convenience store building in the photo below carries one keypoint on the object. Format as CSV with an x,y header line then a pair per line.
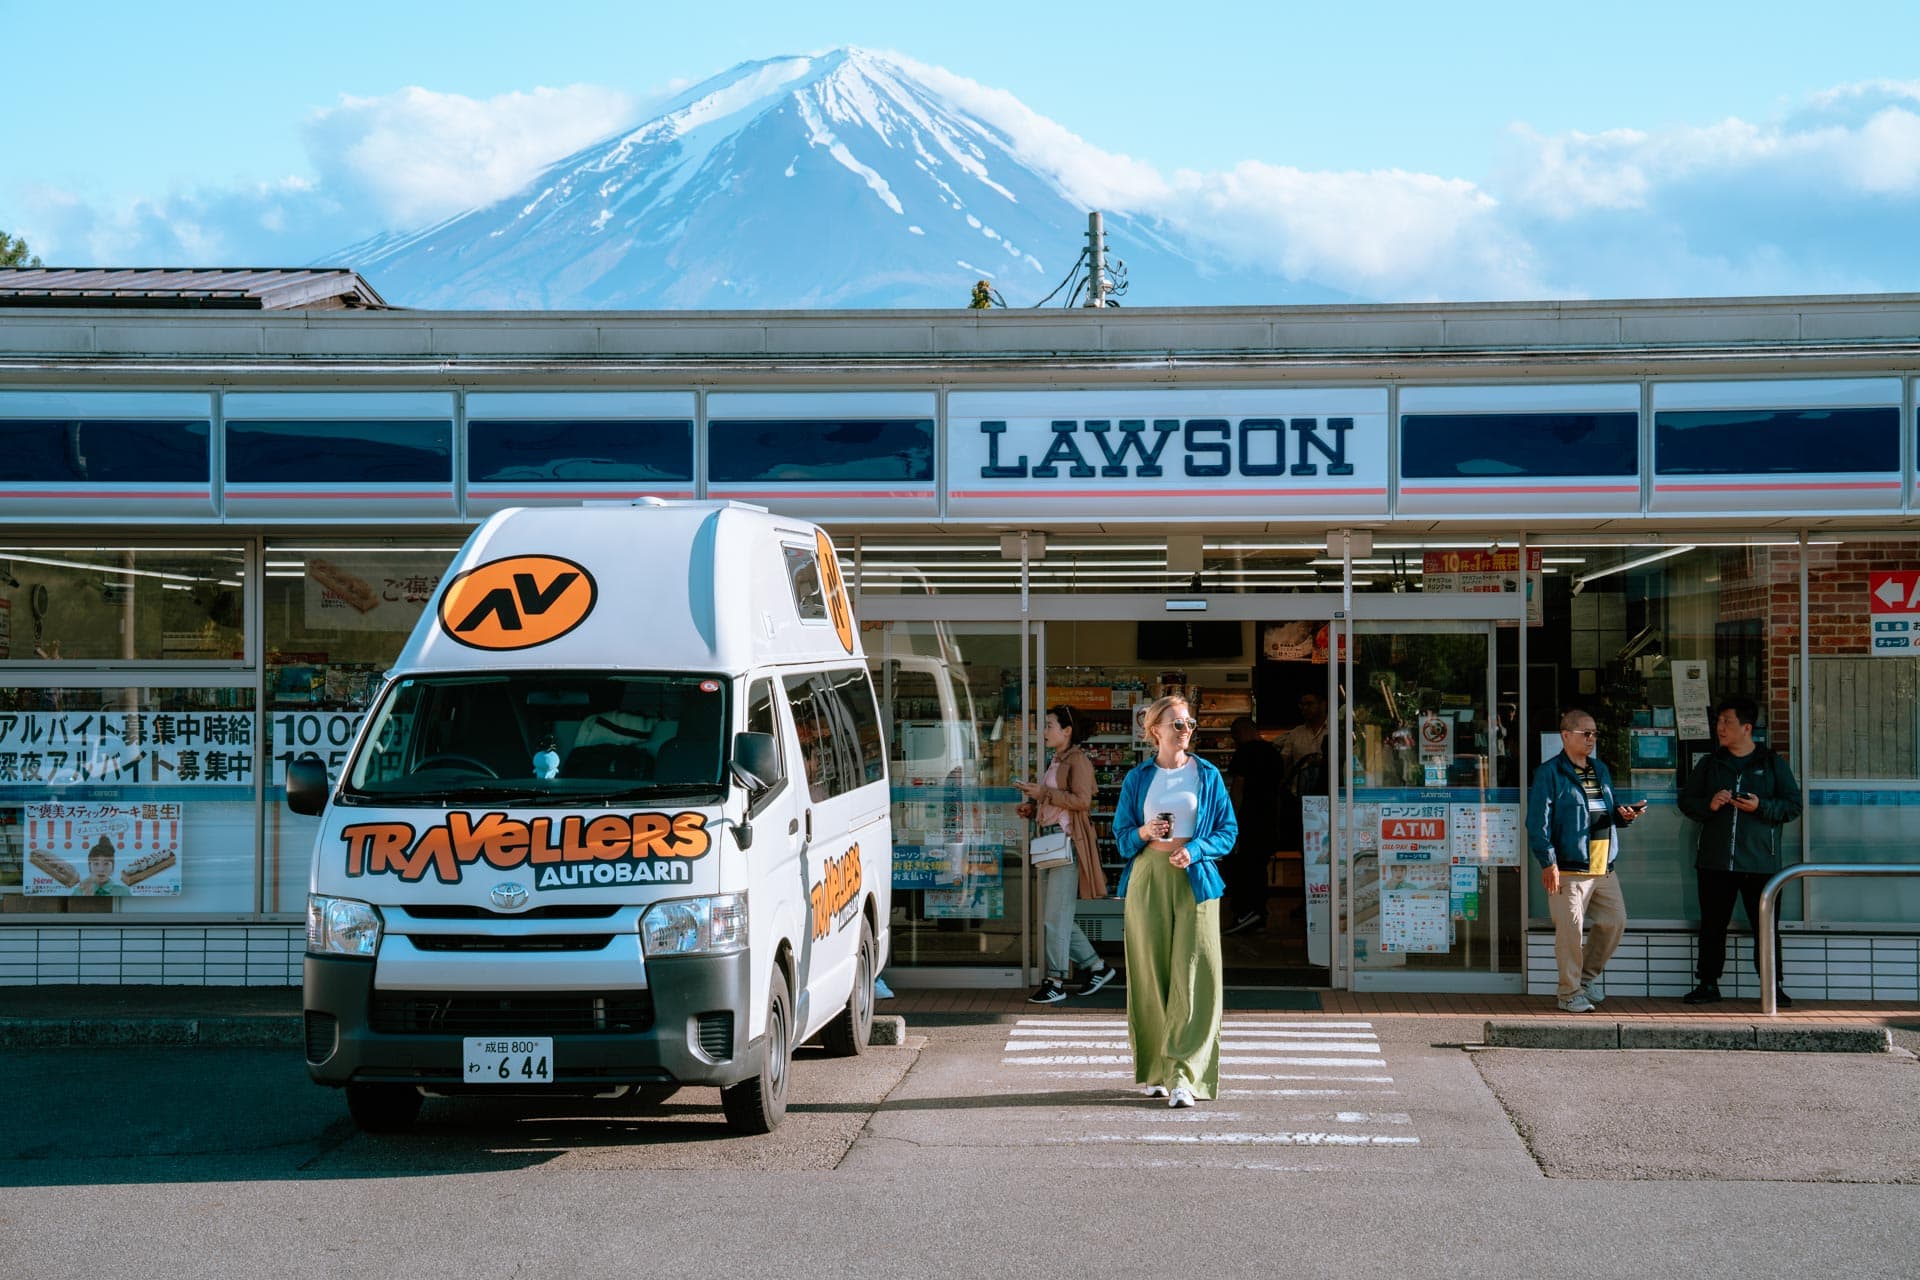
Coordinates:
x,y
1451,522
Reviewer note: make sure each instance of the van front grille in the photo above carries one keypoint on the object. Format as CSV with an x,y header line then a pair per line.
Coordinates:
x,y
517,1013
510,942
558,911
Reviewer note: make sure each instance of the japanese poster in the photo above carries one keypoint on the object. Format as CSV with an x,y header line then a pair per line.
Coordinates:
x,y
1487,834
64,747
1692,707
1413,833
372,593
108,850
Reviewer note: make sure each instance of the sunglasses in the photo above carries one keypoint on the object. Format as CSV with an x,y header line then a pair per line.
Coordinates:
x,y
1184,726
1581,733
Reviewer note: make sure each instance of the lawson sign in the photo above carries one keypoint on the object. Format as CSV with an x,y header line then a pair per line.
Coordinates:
x,y
1217,453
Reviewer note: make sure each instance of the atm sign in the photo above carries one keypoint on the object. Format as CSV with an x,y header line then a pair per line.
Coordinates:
x,y
1413,833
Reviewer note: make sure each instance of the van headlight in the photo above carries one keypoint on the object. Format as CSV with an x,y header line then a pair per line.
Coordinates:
x,y
695,926
342,927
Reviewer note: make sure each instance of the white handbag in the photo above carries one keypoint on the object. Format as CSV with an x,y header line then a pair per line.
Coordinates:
x,y
1050,849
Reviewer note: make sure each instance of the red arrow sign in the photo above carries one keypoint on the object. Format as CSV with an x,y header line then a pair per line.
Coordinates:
x,y
1894,591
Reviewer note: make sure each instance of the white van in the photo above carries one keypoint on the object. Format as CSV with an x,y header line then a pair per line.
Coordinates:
x,y
617,822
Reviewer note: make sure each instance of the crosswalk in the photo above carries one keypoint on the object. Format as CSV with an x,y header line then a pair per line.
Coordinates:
x,y
1316,1084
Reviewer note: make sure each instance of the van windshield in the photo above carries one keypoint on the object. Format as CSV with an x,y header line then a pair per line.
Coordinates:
x,y
544,738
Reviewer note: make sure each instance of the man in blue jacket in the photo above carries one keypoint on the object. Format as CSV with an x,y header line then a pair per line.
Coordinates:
x,y
1573,828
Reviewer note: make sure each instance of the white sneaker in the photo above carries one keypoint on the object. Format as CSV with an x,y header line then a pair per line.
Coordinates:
x,y
1156,1091
1577,1003
1182,1097
1596,990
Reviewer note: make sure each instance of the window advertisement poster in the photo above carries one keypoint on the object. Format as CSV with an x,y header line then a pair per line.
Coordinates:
x,y
1415,909
369,593
1489,834
108,850
1413,833
980,893
1692,705
1489,571
69,747
1465,888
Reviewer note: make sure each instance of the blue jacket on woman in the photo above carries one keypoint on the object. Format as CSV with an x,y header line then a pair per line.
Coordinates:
x,y
1214,832
1558,822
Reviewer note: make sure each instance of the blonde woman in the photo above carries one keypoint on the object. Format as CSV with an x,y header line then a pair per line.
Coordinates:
x,y
1064,797
1173,822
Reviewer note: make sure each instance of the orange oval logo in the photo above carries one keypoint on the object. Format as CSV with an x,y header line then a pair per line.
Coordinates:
x,y
517,603
838,606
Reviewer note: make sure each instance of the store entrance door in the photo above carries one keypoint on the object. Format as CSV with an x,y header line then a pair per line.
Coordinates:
x,y
1425,845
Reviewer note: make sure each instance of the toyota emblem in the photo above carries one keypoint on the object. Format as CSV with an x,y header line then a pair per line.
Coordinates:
x,y
508,895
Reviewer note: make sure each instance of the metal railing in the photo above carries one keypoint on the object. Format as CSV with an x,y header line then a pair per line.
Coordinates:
x,y
1766,931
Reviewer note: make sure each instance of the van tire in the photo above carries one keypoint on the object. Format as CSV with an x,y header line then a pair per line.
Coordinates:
x,y
851,1030
759,1105
383,1108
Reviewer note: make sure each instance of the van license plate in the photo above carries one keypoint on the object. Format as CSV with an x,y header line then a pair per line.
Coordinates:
x,y
509,1059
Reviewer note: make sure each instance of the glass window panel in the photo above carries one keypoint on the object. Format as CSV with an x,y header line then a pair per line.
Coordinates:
x,y
127,801
340,452
1635,634
1443,445
803,575
336,618
1863,721
747,450
949,698
509,450
136,604
1776,441
105,451
821,749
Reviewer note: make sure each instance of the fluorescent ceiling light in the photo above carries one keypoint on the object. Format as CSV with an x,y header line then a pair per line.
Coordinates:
x,y
1580,582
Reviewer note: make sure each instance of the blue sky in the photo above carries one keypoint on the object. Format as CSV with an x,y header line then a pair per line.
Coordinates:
x,y
1548,149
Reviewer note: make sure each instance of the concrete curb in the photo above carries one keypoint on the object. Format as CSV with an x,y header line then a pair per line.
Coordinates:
x,y
1585,1033
889,1030
263,1031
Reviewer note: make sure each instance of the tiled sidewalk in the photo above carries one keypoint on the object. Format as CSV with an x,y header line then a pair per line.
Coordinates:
x,y
1343,1003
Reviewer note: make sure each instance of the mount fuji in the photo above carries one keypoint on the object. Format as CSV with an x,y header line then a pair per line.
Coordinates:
x,y
836,180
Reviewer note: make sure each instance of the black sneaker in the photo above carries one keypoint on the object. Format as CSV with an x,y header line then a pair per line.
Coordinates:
x,y
1052,991
1247,920
1705,993
1782,1000
1094,981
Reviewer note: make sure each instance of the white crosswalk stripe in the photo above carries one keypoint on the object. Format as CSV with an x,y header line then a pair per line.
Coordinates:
x,y
1338,1065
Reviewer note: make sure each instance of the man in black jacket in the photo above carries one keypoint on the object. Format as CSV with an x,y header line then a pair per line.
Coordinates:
x,y
1741,795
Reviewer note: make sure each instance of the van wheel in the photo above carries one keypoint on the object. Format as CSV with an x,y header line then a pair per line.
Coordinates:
x,y
383,1108
851,1030
760,1104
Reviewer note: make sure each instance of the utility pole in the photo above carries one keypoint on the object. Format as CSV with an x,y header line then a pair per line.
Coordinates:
x,y
1097,282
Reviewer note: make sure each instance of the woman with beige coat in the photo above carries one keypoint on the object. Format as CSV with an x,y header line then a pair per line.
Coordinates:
x,y
1064,797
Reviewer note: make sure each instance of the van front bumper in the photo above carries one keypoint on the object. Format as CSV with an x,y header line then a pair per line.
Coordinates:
x,y
687,1026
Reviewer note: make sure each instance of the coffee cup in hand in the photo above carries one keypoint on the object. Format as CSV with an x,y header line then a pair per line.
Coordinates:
x,y
1163,825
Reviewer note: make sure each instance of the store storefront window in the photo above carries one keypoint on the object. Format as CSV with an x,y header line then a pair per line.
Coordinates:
x,y
121,603
337,616
1863,710
950,709
127,800
1648,638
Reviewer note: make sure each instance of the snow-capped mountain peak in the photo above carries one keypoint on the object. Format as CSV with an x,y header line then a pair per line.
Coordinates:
x,y
828,179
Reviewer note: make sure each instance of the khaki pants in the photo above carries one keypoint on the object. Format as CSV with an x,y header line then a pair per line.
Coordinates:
x,y
1175,997
1595,902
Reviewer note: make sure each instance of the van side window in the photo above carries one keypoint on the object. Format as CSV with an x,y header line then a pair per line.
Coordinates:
x,y
803,575
854,692
813,723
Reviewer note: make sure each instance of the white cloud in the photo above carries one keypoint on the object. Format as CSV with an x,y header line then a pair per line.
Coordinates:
x,y
419,156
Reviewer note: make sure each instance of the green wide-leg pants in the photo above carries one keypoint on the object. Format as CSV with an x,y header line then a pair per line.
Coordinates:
x,y
1174,995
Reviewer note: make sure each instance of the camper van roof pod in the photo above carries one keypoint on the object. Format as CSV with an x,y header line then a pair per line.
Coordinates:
x,y
678,586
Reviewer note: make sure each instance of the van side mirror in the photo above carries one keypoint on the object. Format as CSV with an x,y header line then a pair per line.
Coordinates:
x,y
307,785
756,762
